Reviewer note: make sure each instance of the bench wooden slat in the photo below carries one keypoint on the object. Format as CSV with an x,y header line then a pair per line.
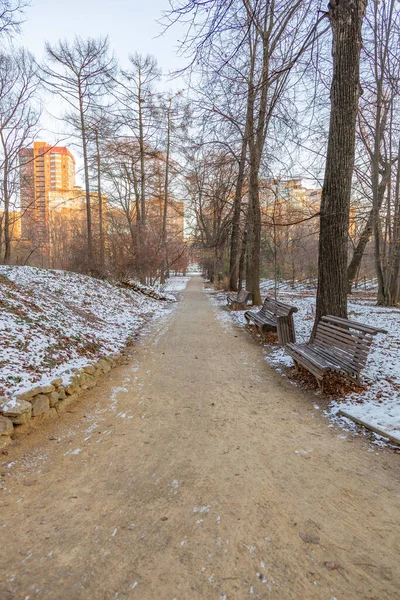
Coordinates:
x,y
352,358
354,325
342,362
329,338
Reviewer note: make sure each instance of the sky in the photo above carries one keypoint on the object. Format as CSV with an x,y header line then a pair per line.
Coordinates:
x,y
132,25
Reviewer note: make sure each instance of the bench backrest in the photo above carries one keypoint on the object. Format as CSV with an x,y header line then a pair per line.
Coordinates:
x,y
243,296
349,345
276,308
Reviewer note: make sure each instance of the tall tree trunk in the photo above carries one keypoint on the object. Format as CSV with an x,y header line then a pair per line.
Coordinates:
x,y
365,236
164,267
346,22
142,159
87,187
100,197
6,201
395,248
242,261
254,238
237,204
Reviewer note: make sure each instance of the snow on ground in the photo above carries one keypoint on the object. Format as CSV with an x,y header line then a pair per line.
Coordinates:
x,y
53,321
379,403
175,284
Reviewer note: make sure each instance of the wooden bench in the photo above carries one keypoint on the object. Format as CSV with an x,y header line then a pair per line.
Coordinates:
x,y
274,316
340,346
238,301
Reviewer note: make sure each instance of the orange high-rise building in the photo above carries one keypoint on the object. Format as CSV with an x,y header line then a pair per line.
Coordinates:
x,y
43,169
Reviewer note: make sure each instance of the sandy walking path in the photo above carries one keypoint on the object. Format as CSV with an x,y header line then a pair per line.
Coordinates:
x,y
196,472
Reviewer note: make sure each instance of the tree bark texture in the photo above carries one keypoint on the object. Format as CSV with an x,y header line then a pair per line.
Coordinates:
x,y
237,206
346,23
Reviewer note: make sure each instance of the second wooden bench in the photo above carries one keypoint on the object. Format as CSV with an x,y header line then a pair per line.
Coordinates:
x,y
274,316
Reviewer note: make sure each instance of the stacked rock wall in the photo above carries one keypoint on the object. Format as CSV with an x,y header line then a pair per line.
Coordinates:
x,y
46,401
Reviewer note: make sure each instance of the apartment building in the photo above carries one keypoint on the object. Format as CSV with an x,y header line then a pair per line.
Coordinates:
x,y
44,169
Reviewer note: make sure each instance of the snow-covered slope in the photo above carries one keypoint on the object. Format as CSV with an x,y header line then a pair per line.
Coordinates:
x,y
51,321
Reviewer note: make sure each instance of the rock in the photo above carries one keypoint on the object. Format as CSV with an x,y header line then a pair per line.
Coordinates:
x,y
53,398
40,404
61,393
88,382
6,426
89,369
47,389
35,391
331,566
308,538
4,440
57,382
23,418
91,381
104,365
25,396
72,389
50,414
63,404
15,408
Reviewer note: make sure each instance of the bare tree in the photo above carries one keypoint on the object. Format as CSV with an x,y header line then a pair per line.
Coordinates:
x,y
272,36
137,113
11,16
19,116
80,72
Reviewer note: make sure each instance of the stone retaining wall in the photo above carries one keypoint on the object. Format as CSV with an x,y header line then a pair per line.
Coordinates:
x,y
46,401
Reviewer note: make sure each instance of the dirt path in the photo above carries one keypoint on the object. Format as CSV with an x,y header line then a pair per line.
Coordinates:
x,y
196,472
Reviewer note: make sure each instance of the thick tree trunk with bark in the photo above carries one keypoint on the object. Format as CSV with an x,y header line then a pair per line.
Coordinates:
x,y
253,239
346,22
235,236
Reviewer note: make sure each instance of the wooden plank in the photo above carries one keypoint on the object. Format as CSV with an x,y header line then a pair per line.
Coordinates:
x,y
344,334
393,438
306,353
339,363
354,325
350,351
315,370
353,364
